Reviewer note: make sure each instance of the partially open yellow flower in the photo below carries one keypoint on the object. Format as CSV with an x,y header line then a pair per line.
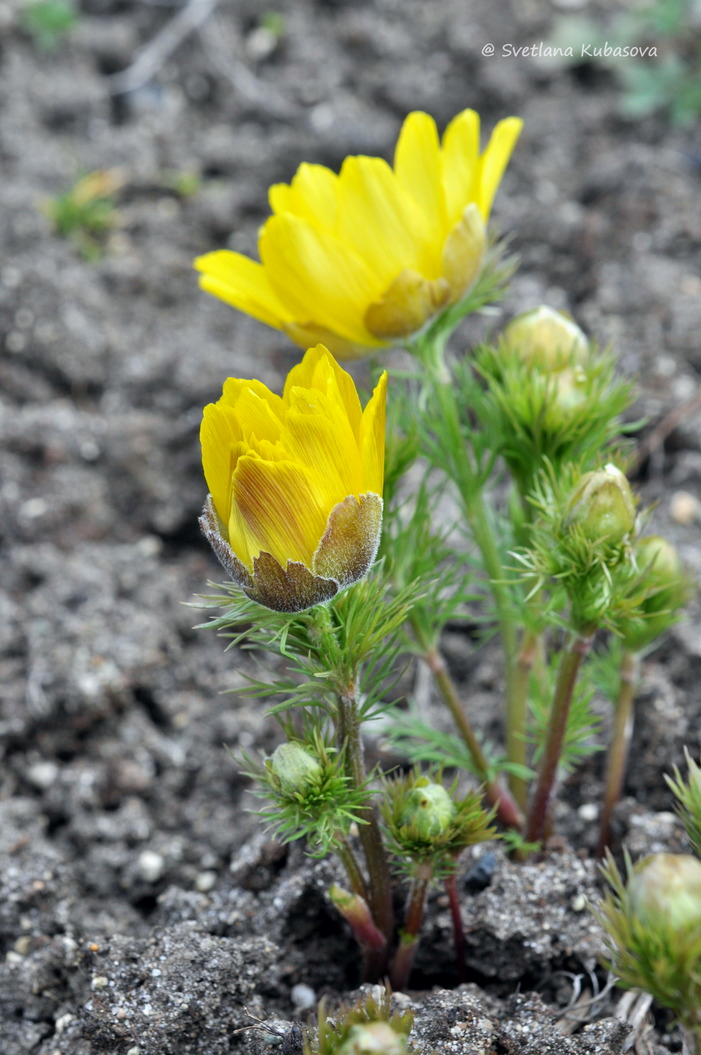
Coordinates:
x,y
295,506
363,259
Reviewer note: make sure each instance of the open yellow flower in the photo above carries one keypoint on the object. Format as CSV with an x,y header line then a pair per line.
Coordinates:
x,y
295,506
363,259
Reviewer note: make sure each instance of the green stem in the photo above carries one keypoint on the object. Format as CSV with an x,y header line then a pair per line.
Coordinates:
x,y
507,811
566,680
620,744
350,863
347,718
379,887
519,712
460,467
409,941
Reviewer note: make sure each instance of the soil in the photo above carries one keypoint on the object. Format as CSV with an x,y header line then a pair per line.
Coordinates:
x,y
142,912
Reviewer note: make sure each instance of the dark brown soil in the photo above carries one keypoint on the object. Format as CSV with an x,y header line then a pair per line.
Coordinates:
x,y
141,912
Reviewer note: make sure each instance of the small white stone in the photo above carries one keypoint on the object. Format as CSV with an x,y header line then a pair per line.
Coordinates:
x,y
588,811
100,981
685,508
33,508
205,882
261,43
42,774
63,1021
151,866
303,996
578,903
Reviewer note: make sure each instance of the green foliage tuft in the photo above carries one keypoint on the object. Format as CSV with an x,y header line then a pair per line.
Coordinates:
x,y
688,795
49,22
343,1034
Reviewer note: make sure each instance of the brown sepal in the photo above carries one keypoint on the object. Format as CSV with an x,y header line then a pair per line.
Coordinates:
x,y
349,545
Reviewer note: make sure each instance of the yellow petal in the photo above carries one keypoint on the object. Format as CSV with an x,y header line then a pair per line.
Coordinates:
x,y
379,220
317,277
463,251
259,411
243,283
319,369
275,508
494,161
372,440
417,163
319,437
460,156
311,195
222,441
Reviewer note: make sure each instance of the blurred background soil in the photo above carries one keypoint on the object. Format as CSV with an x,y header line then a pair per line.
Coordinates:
x,y
140,910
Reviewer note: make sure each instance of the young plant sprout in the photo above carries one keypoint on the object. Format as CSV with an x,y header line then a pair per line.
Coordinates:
x,y
653,928
306,489
367,1028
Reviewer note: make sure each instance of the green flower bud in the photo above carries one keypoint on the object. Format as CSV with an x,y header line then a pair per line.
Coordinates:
x,y
373,1038
293,769
602,506
428,808
665,893
546,339
668,591
660,560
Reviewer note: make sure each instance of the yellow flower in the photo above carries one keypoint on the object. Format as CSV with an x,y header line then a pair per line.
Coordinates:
x,y
363,259
295,506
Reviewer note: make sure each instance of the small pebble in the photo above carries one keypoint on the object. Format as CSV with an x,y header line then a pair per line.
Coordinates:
x,y
42,774
63,1021
151,866
100,981
205,882
589,811
685,508
303,996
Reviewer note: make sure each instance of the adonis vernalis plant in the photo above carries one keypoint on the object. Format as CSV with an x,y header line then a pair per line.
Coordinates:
x,y
303,484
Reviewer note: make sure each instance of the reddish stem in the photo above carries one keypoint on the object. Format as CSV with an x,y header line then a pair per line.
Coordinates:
x,y
619,747
451,889
566,680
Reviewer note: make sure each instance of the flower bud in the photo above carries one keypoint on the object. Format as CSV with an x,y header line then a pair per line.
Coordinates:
x,y
660,561
667,591
602,506
294,770
665,893
373,1038
428,808
546,339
